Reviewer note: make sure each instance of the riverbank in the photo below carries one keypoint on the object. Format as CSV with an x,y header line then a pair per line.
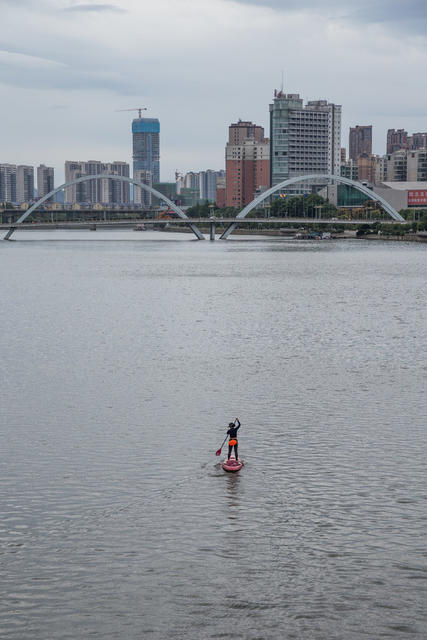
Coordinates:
x,y
408,237
344,235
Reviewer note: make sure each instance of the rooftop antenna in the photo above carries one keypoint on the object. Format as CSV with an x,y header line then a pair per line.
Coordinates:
x,y
283,73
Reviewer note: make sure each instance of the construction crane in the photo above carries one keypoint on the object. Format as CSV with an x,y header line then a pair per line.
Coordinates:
x,y
139,109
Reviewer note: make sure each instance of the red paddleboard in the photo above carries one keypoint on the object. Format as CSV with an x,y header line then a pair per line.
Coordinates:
x,y
232,464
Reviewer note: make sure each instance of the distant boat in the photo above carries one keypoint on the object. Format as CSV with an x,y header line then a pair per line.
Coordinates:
x,y
140,227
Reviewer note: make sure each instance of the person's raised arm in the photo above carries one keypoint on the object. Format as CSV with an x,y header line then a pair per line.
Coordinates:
x,y
238,423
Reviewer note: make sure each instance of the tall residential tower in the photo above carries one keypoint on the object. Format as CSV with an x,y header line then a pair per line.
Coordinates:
x,y
24,183
303,139
7,182
146,146
45,180
360,141
104,190
146,149
247,163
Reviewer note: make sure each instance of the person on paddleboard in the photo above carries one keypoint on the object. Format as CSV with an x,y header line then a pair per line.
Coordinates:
x,y
232,432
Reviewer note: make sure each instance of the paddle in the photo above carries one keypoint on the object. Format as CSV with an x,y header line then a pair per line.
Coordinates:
x,y
218,453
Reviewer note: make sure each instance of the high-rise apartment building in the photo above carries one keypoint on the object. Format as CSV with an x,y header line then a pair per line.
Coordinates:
x,y
8,182
399,139
396,139
380,173
45,180
220,192
115,191
303,140
417,165
244,130
199,186
403,165
141,196
24,183
365,167
207,184
84,191
247,163
349,169
397,166
417,141
360,141
192,180
146,149
103,190
372,169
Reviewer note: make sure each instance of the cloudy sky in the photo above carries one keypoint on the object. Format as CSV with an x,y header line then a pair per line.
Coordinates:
x,y
67,66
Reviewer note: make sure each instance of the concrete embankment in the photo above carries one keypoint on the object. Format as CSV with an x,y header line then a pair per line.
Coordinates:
x,y
345,235
408,237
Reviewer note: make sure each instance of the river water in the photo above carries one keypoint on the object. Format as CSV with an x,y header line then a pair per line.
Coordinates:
x,y
125,356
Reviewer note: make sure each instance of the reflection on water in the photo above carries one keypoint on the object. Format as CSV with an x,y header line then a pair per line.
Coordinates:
x,y
233,481
124,360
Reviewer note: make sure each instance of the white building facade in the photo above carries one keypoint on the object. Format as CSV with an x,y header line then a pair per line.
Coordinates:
x,y
7,182
104,191
204,182
140,196
207,184
303,139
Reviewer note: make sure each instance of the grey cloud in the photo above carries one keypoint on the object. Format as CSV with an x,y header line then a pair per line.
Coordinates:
x,y
385,9
392,11
95,7
37,6
57,76
410,15
282,5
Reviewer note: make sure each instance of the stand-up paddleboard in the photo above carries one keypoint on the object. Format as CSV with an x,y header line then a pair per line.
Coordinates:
x,y
232,464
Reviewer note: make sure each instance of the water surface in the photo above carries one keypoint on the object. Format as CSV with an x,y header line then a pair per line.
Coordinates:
x,y
125,355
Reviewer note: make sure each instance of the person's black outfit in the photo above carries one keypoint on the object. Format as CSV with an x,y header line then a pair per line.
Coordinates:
x,y
232,432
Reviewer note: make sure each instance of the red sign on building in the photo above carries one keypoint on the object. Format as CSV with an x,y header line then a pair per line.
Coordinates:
x,y
418,196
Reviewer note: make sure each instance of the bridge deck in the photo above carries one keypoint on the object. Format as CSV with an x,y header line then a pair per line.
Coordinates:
x,y
178,221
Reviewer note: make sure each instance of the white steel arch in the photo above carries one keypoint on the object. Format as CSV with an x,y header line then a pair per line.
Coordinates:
x,y
326,176
159,195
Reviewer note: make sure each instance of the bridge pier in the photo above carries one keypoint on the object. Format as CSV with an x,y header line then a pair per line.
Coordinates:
x,y
228,230
9,233
196,232
212,229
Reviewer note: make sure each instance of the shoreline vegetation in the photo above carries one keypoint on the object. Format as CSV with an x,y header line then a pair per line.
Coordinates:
x,y
370,220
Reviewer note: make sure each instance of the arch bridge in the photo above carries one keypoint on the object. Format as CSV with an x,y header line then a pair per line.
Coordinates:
x,y
316,176
181,214
101,176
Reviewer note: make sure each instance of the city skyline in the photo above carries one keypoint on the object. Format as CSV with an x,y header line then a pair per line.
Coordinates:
x,y
67,66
